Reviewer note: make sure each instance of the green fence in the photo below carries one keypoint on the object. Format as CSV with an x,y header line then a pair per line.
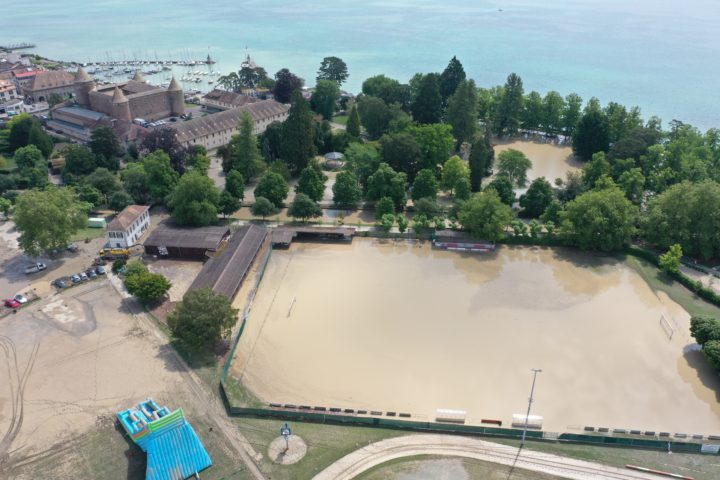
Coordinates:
x,y
683,447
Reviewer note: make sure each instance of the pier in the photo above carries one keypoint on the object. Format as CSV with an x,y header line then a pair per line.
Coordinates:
x,y
16,46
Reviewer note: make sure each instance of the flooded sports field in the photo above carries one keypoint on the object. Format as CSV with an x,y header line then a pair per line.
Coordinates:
x,y
398,326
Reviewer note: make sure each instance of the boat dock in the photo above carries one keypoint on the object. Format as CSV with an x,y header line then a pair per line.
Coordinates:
x,y
16,46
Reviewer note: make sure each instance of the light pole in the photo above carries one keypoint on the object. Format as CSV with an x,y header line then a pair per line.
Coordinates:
x,y
530,400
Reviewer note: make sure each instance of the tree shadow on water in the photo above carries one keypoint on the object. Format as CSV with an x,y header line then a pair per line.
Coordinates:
x,y
704,372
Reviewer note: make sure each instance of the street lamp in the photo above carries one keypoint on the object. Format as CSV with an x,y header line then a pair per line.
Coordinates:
x,y
530,400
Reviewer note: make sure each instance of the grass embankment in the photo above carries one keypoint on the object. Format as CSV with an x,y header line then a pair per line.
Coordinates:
x,y
661,281
87,233
427,465
340,119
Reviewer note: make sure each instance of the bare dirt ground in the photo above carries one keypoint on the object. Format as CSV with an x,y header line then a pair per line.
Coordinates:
x,y
180,273
401,327
549,160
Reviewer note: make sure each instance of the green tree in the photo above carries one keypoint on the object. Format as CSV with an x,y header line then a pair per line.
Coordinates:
x,y
504,188
79,161
384,206
704,329
119,200
670,260
711,350
40,139
481,157
386,182
202,319
324,98
19,131
346,190
353,123
5,207
135,181
263,208
514,165
553,107
687,214
304,207
161,177
29,157
600,220
402,223
591,135
166,139
462,112
402,152
595,169
535,228
104,180
228,203
552,213
451,78
454,172
195,201
104,142
428,207
420,223
242,153
89,194
537,198
519,228
510,109
427,103
532,115
632,182
47,219
273,187
374,116
425,185
387,89
235,184
435,142
333,69
311,183
297,146
387,222
571,113
363,160
146,286
485,216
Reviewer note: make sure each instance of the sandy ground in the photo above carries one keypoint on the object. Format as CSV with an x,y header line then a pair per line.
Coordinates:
x,y
401,327
83,358
180,273
549,161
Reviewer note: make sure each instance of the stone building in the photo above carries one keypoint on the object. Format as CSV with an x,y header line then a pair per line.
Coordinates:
x,y
129,225
46,83
224,100
127,101
76,122
213,131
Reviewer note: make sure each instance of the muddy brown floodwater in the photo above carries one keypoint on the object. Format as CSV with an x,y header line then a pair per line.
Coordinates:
x,y
397,326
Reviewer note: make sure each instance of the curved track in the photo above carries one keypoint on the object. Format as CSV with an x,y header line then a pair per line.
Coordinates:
x,y
378,453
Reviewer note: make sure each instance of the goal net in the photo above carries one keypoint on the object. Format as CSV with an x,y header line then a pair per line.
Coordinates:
x,y
667,326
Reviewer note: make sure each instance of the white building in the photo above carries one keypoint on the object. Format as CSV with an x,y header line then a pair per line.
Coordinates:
x,y
128,226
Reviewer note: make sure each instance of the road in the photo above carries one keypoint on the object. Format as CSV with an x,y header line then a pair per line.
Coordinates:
x,y
378,453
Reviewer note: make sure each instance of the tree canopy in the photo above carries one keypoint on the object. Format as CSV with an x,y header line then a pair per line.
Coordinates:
x,y
402,153
592,135
462,112
510,108
242,153
303,207
311,183
353,123
386,182
485,216
333,69
537,198
286,83
165,139
374,115
273,187
47,219
297,147
325,97
514,165
263,207
454,174
451,77
427,104
161,177
346,190
195,201
202,319
425,185
235,184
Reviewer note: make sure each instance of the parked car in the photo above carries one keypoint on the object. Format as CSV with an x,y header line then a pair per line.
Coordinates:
x,y
100,270
72,248
59,283
20,298
75,278
12,303
83,277
35,268
91,273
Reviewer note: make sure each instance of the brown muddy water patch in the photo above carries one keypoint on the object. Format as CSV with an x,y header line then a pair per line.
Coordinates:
x,y
397,326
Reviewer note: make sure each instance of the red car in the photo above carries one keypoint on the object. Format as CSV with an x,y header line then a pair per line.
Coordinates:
x,y
12,303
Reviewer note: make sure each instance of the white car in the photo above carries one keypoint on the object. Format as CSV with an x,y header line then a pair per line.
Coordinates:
x,y
21,299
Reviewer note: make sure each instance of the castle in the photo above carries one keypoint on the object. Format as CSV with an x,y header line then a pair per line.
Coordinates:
x,y
131,100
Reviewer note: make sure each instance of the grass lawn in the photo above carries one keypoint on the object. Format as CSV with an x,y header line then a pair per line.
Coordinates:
x,y
661,282
7,163
431,465
88,232
341,119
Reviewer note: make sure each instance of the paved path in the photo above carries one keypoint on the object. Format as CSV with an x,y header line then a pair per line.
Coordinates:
x,y
375,454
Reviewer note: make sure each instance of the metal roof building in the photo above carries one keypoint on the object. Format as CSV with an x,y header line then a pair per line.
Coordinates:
x,y
193,243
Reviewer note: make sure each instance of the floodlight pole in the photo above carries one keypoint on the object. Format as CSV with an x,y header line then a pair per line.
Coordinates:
x,y
530,400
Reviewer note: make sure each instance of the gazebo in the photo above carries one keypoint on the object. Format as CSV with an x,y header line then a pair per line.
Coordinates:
x,y
334,160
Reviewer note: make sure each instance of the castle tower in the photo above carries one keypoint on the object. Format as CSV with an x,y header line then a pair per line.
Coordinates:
x,y
121,106
84,84
177,98
138,77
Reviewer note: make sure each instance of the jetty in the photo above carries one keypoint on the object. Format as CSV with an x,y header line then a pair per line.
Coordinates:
x,y
16,46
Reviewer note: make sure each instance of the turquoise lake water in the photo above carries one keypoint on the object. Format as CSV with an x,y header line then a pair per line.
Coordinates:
x,y
663,55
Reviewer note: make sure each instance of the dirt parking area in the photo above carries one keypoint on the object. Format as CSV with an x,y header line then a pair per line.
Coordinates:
x,y
74,359
181,274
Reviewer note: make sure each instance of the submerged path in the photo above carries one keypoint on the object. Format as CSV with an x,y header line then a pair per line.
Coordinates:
x,y
378,453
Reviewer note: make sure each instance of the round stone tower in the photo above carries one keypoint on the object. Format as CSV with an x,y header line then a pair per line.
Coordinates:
x,y
177,98
121,106
84,84
138,77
